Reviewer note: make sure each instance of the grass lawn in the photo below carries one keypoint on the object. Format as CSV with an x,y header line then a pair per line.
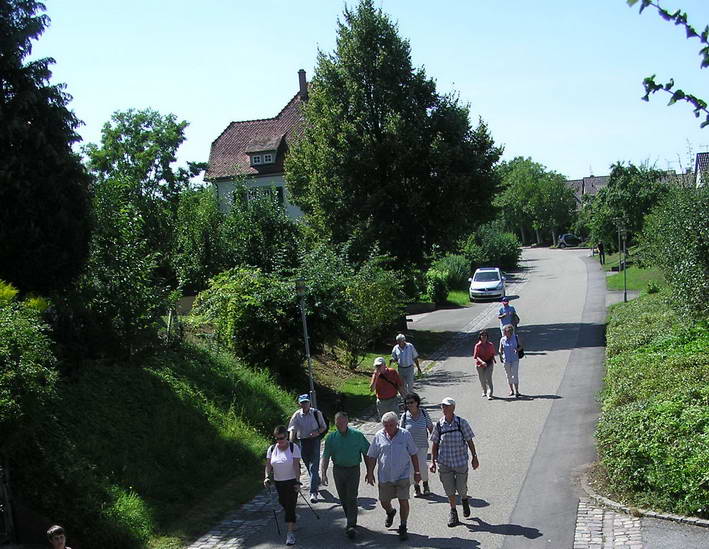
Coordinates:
x,y
637,279
459,298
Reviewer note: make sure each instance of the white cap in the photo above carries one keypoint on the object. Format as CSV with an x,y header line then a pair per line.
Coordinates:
x,y
448,401
379,361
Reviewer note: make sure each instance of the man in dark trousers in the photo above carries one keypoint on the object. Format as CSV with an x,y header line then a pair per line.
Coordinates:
x,y
601,253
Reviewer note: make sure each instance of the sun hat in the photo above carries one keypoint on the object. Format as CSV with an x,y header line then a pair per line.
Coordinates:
x,y
379,361
448,401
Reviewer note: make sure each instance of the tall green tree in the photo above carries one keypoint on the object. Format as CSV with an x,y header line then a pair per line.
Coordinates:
x,y
44,206
534,198
631,193
138,150
384,158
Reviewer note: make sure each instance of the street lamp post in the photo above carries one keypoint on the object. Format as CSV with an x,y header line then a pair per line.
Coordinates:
x,y
300,290
625,268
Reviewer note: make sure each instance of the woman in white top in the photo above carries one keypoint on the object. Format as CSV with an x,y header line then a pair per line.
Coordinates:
x,y
283,466
417,422
509,356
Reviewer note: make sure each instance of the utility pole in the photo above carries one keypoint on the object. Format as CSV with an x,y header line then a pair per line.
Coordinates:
x,y
300,290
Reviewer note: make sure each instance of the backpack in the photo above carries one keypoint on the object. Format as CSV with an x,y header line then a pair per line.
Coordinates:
x,y
441,433
270,449
327,423
402,420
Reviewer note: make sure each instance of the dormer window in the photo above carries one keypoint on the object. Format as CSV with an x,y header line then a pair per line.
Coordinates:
x,y
268,158
255,159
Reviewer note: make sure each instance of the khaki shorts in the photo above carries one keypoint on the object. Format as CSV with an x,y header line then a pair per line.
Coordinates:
x,y
454,479
390,490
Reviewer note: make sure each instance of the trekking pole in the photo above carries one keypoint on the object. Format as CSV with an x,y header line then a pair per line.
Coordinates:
x,y
273,508
306,501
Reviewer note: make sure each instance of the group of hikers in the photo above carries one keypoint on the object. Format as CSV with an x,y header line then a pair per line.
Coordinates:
x,y
399,450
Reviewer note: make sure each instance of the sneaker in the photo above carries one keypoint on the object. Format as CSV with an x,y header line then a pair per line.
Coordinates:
x,y
313,498
290,538
484,395
466,507
403,534
417,491
489,397
390,518
350,531
453,518
518,395
426,489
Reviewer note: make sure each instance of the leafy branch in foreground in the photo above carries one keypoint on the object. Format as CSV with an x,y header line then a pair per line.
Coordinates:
x,y
651,86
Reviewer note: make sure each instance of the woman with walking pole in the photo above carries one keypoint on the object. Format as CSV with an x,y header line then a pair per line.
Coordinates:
x,y
283,468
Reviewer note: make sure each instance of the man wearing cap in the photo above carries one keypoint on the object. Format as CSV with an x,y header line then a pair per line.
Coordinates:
x,y
405,355
346,447
507,315
451,438
305,427
386,383
394,451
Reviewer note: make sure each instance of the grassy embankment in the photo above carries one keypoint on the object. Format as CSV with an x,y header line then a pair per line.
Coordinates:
x,y
153,453
653,436
636,278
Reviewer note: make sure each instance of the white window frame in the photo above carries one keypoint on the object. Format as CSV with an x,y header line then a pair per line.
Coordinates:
x,y
268,158
256,160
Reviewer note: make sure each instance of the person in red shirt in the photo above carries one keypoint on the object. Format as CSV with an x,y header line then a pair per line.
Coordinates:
x,y
484,358
386,383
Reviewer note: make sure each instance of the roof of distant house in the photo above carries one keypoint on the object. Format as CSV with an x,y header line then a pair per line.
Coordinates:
x,y
702,162
229,155
588,185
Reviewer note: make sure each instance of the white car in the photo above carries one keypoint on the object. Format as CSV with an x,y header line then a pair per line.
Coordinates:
x,y
487,282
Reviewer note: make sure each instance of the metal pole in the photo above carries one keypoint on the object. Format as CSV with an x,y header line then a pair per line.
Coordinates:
x,y
625,268
619,248
313,398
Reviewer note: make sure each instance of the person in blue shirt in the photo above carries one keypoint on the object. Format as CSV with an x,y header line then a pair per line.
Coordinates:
x,y
507,315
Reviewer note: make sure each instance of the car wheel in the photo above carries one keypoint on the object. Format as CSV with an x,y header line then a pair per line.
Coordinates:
x,y
562,245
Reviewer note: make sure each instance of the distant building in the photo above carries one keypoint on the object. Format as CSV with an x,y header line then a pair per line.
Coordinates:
x,y
255,150
588,186
701,169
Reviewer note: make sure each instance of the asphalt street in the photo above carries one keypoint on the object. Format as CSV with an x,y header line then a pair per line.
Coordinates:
x,y
530,449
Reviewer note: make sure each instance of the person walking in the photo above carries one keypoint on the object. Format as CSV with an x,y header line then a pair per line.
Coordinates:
x,y
601,253
509,356
484,358
417,422
305,427
507,315
451,439
57,537
394,452
346,447
283,468
405,355
386,384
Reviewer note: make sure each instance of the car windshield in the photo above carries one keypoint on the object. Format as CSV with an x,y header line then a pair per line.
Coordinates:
x,y
486,276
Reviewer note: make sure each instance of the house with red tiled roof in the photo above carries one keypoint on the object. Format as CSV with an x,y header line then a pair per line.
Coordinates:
x,y
701,169
254,151
588,186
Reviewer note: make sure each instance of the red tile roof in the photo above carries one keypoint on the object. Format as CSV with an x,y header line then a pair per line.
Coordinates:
x,y
228,156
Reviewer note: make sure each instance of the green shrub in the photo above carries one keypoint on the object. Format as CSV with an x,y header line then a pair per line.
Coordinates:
x,y
491,246
27,370
437,286
458,268
7,293
653,435
376,304
676,238
652,287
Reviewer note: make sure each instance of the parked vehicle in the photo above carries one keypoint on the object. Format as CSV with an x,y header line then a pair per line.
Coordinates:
x,y
487,282
569,240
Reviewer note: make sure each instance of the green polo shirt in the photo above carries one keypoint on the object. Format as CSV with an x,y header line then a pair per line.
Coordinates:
x,y
345,450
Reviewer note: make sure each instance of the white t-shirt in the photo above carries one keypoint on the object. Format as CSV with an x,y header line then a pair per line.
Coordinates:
x,y
282,461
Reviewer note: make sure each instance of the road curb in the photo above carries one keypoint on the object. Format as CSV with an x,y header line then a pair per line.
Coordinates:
x,y
635,511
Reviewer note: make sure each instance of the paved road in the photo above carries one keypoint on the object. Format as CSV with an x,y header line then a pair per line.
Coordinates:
x,y
529,449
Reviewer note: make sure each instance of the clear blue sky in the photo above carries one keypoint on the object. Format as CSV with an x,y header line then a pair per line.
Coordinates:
x,y
557,80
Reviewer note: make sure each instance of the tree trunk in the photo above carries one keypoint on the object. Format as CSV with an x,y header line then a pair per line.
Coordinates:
x,y
524,239
553,237
539,237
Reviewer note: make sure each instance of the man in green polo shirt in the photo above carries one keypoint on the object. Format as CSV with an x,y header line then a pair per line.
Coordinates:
x,y
345,446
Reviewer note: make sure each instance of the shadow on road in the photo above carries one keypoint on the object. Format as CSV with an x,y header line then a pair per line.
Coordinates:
x,y
539,338
438,498
528,397
503,529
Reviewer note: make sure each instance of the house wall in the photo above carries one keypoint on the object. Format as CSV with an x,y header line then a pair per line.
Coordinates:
x,y
225,190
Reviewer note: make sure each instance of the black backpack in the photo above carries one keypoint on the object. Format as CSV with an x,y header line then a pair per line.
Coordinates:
x,y
270,449
402,421
441,433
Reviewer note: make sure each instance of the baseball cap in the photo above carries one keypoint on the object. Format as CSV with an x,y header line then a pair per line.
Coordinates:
x,y
304,398
379,361
448,401
505,299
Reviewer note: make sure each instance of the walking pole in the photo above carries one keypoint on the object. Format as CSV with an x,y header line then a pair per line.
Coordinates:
x,y
273,508
306,501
